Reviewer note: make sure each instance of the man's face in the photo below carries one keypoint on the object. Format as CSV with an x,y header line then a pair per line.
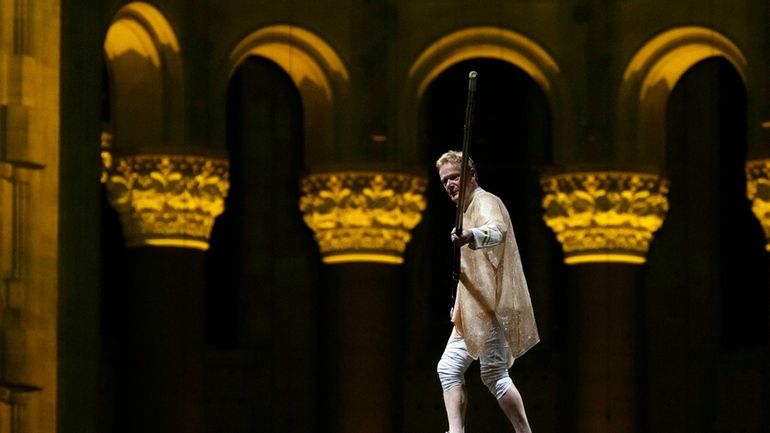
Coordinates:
x,y
449,174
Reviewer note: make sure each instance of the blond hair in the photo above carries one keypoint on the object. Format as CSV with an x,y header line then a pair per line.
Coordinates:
x,y
454,157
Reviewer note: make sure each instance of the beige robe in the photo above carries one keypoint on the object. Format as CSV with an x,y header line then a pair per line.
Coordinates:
x,y
492,287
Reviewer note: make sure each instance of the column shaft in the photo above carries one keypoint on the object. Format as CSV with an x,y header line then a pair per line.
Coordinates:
x,y
363,362
604,347
158,371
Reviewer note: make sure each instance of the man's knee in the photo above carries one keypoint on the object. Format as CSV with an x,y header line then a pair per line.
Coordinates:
x,y
496,380
450,373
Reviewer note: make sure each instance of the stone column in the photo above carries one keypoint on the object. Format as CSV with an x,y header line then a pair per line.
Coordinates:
x,y
30,68
362,222
605,221
166,200
167,205
16,397
362,301
22,370
758,191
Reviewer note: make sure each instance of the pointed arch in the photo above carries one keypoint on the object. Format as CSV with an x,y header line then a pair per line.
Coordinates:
x,y
143,61
494,43
316,70
650,78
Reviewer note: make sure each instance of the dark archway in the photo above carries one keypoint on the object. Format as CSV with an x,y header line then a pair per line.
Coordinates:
x,y
707,281
262,268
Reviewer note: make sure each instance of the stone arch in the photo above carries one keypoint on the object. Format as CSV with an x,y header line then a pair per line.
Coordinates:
x,y
316,70
144,67
494,43
650,78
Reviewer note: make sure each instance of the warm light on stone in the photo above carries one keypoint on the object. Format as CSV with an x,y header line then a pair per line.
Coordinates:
x,y
167,200
604,216
362,216
758,191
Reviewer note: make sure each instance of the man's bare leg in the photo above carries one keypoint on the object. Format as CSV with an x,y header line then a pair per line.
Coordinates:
x,y
513,407
455,402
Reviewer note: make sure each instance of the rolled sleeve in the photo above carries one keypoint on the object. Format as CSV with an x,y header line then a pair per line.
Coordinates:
x,y
486,236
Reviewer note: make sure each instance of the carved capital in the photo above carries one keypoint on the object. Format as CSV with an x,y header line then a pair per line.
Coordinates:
x,y
362,216
758,191
166,200
607,216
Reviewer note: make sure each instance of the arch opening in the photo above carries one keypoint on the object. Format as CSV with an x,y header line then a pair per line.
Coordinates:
x,y
494,44
144,80
315,69
649,80
707,266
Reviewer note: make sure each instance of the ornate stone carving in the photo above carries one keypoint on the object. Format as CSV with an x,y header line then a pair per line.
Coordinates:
x,y
166,200
362,216
758,191
606,216
106,154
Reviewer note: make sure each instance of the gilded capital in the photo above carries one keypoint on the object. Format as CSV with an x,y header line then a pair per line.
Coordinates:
x,y
604,216
362,216
758,191
166,200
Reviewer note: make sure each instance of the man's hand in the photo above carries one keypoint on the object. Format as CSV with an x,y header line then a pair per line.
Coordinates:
x,y
465,237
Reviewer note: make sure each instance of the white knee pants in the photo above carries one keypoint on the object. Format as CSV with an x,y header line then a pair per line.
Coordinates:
x,y
493,362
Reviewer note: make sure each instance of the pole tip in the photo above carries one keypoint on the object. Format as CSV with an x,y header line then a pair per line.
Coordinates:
x,y
472,81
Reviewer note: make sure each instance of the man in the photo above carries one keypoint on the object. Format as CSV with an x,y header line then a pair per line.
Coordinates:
x,y
492,315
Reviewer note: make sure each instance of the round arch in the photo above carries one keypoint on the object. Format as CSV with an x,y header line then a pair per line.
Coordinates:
x,y
650,78
501,44
316,70
142,58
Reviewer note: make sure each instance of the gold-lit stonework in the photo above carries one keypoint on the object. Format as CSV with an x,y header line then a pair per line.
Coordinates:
x,y
106,154
167,200
606,216
758,191
362,216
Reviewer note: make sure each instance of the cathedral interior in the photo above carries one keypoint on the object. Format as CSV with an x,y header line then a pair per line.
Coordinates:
x,y
224,216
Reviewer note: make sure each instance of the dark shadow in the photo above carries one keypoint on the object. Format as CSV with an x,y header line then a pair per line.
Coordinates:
x,y
706,293
262,269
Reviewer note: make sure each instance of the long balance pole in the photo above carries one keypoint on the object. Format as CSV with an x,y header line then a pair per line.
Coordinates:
x,y
468,129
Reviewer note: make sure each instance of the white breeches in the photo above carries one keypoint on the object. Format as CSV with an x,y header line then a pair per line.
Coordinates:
x,y
493,362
